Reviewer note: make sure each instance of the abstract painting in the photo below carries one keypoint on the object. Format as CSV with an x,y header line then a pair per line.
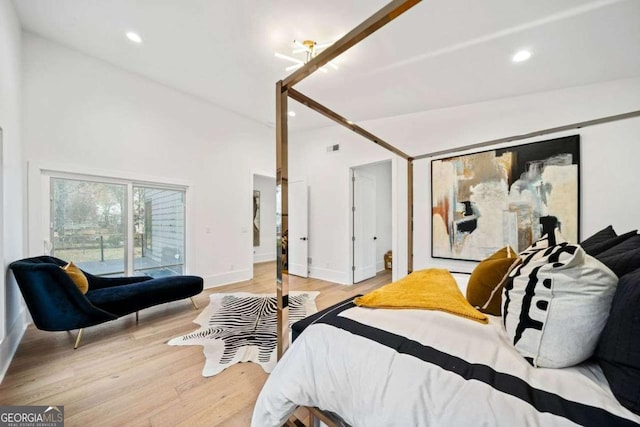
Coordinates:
x,y
484,201
256,218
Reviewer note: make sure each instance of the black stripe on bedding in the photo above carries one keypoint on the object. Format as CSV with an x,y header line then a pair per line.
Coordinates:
x,y
542,401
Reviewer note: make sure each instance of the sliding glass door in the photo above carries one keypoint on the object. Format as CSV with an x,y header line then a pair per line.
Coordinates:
x,y
116,228
158,221
89,224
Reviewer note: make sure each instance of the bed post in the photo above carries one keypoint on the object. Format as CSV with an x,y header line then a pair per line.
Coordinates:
x,y
284,89
409,215
282,216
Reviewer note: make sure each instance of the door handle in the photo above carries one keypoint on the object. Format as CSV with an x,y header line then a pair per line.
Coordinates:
x,y
303,238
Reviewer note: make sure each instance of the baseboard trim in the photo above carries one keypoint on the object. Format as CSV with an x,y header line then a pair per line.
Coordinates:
x,y
235,276
9,344
264,257
334,276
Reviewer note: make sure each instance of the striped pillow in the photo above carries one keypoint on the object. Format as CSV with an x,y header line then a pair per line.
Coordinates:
x,y
556,303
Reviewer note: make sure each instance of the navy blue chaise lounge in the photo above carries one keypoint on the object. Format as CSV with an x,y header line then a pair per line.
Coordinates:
x,y
56,303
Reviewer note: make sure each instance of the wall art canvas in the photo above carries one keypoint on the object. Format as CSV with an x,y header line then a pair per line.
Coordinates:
x,y
256,218
484,201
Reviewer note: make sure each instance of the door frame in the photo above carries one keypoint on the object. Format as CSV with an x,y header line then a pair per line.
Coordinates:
x,y
252,175
394,241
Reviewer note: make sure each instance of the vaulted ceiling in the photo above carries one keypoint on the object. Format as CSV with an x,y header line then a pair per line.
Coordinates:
x,y
440,54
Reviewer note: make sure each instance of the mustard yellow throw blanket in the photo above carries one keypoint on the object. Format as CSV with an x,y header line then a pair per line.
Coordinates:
x,y
431,289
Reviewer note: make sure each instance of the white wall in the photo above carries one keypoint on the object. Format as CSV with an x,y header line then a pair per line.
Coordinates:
x,y
80,112
267,249
12,312
382,174
328,177
607,185
609,154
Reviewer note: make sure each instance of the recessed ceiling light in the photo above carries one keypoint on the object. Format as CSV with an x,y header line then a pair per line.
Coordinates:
x,y
521,56
134,37
292,113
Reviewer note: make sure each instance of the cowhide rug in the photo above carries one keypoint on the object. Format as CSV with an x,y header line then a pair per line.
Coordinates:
x,y
241,327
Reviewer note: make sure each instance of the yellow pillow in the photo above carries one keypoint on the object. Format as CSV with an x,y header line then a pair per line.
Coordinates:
x,y
484,290
77,276
430,289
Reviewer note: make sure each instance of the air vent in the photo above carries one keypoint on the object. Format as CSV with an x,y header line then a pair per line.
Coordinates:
x,y
332,148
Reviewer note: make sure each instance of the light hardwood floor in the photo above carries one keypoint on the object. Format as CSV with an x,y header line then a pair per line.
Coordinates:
x,y
124,374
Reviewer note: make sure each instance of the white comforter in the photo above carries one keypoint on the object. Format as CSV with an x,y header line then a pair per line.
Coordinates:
x,y
449,371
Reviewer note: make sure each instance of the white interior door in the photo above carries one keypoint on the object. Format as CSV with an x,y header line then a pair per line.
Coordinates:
x,y
297,249
364,226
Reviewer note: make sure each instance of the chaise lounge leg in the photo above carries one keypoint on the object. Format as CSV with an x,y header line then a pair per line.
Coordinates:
x,y
78,338
195,306
136,317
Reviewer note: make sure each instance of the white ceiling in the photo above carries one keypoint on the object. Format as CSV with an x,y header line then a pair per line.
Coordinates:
x,y
439,54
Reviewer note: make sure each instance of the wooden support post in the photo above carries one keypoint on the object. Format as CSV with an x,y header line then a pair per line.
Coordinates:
x,y
409,215
284,89
282,216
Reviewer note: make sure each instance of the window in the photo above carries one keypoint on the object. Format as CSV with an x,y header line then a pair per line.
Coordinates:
x,y
92,225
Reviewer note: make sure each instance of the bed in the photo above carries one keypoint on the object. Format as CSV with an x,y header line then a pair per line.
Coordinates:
x,y
376,367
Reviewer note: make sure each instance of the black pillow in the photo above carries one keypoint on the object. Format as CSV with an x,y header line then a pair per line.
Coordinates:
x,y
596,249
601,236
622,263
618,350
632,243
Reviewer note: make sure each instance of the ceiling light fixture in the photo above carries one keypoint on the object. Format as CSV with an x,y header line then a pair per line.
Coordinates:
x,y
309,49
521,56
134,37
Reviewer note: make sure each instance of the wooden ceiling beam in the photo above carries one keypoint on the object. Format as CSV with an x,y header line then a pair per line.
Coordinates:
x,y
376,21
528,135
316,106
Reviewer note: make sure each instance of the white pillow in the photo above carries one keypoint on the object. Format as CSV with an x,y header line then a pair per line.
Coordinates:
x,y
556,303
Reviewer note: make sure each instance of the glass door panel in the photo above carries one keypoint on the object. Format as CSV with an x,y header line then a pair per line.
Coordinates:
x,y
89,224
159,231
